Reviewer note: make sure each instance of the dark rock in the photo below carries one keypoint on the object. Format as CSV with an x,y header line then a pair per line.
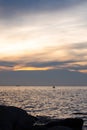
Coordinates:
x,y
40,127
13,118
74,123
59,128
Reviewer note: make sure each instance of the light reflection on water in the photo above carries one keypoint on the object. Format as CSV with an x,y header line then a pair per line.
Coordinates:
x,y
59,102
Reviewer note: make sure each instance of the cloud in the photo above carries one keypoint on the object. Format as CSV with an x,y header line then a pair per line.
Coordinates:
x,y
39,4
79,45
63,52
7,63
45,61
67,65
12,9
42,29
43,36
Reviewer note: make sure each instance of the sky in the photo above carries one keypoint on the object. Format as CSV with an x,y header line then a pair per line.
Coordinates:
x,y
43,37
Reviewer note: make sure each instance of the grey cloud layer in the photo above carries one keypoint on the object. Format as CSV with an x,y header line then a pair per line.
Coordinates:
x,y
64,65
9,8
7,63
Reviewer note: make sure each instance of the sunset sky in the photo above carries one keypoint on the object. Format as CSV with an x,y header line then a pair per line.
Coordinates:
x,y
43,35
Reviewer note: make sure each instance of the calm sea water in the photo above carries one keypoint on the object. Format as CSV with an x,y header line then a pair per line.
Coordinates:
x,y
59,102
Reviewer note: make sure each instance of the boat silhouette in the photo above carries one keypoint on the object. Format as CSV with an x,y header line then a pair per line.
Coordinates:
x,y
53,86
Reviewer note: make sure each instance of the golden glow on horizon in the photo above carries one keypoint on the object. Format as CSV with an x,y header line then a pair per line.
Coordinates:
x,y
32,68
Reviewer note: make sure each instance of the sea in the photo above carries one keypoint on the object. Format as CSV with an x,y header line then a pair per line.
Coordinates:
x,y
48,101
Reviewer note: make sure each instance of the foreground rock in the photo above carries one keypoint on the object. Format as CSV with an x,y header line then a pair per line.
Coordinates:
x,y
63,124
73,123
13,118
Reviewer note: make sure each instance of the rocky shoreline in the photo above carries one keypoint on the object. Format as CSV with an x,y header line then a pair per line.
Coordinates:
x,y
13,118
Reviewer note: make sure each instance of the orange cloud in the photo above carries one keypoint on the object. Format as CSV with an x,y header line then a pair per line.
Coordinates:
x,y
82,71
5,68
31,68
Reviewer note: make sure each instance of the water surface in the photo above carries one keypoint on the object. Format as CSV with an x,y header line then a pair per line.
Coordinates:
x,y
59,102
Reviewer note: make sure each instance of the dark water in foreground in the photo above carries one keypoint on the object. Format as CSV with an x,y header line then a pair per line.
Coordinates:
x,y
59,102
